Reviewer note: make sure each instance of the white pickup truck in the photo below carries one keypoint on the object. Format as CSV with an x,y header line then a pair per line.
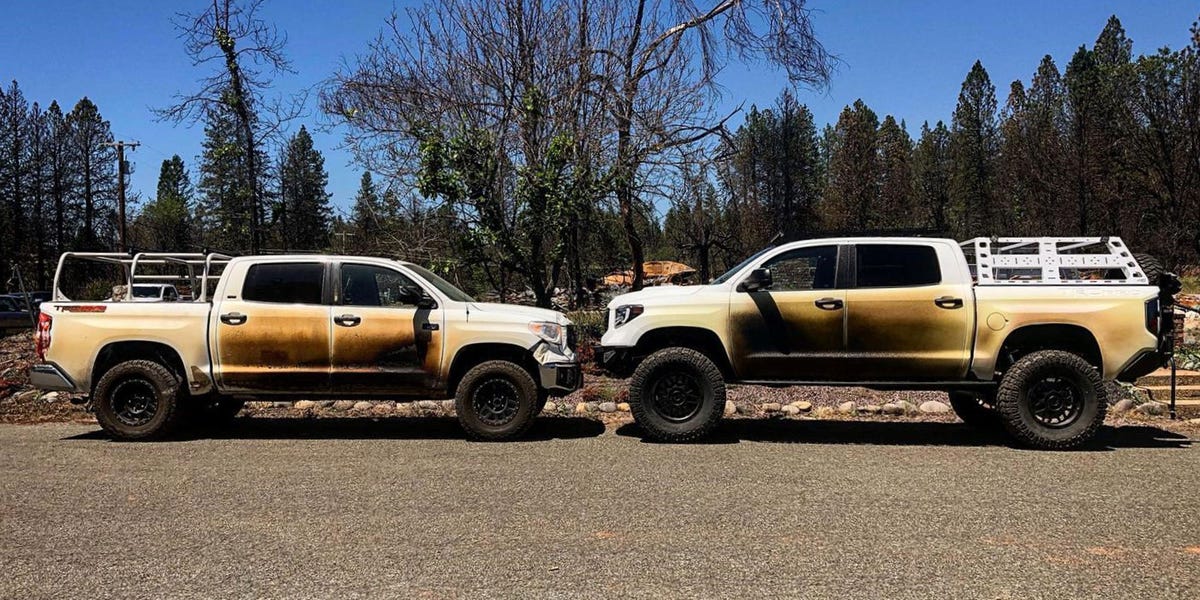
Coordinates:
x,y
292,327
1020,331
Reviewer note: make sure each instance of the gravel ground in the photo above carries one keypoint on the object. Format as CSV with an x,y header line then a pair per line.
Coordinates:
x,y
361,508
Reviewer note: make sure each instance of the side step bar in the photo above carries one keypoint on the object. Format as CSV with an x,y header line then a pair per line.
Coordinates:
x,y
947,386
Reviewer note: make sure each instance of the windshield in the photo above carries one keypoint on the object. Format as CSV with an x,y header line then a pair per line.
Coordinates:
x,y
730,273
442,285
146,291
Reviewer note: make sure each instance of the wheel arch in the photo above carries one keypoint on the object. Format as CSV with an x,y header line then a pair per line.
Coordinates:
x,y
115,353
473,354
702,340
1067,337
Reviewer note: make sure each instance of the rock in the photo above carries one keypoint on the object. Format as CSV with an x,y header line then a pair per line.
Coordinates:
x,y
581,408
49,397
343,405
803,405
730,408
847,408
746,409
608,407
592,406
1123,405
790,409
871,409
933,407
892,408
550,407
325,403
1152,409
448,406
772,407
304,405
428,404
363,405
1193,421
623,406
906,406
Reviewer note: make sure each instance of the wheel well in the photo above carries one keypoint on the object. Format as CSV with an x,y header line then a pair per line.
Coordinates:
x,y
474,354
701,340
1031,338
119,352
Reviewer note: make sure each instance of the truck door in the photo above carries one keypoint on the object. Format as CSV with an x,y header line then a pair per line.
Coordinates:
x,y
793,329
903,320
272,335
387,333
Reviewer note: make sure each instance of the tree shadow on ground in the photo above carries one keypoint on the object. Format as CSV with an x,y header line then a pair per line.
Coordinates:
x,y
910,433
353,428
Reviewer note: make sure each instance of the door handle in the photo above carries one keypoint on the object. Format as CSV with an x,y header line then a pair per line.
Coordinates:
x,y
233,318
828,303
948,302
347,320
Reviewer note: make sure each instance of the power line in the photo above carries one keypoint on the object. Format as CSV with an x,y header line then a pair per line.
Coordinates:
x,y
122,171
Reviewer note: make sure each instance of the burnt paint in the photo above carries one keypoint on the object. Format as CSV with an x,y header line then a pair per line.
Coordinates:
x,y
280,348
900,333
783,335
389,352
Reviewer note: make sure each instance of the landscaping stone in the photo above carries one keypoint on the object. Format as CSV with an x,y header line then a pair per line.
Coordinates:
x,y
906,406
428,404
623,406
550,407
592,406
49,397
325,403
871,409
746,409
343,405
363,405
802,405
581,408
730,408
933,407
304,405
1123,405
790,409
891,408
1152,409
608,407
847,408
772,407
1194,421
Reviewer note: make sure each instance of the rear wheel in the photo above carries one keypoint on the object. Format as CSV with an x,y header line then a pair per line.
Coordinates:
x,y
976,410
1052,400
137,400
496,400
677,395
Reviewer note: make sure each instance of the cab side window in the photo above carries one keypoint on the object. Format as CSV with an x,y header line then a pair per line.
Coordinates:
x,y
284,283
812,268
896,265
368,285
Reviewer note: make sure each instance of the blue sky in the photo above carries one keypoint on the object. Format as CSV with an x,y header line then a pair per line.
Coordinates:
x,y
903,58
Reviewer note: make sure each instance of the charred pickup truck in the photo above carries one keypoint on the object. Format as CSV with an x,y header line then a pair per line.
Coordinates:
x,y
1022,332
292,327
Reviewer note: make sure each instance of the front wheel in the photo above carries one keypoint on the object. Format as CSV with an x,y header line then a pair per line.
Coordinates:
x,y
1052,400
496,400
137,400
677,395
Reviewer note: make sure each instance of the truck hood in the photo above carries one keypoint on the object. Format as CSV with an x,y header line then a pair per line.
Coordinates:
x,y
657,295
516,312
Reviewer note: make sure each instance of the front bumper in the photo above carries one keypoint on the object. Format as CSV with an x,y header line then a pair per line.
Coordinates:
x,y
47,376
560,379
617,360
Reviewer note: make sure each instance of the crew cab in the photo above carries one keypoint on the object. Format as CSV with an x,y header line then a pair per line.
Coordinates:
x,y
293,327
1020,331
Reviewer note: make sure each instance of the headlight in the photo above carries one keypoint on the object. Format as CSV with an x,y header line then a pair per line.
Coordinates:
x,y
550,332
627,313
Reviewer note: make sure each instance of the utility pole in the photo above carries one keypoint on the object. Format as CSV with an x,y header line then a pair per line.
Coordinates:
x,y
121,173
342,235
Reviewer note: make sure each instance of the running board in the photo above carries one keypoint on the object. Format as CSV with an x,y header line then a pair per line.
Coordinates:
x,y
876,385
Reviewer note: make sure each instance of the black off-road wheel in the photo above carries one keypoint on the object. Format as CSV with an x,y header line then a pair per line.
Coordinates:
x,y
1052,400
137,400
677,395
497,400
976,410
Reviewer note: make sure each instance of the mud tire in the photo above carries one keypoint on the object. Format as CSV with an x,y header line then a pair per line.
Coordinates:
x,y
137,381
491,384
1015,400
692,406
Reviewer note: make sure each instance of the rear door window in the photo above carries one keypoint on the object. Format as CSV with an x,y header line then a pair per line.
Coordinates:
x,y
284,283
896,265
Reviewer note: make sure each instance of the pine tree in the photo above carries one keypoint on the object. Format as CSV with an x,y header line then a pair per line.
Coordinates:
x,y
14,133
367,217
895,208
166,223
225,209
852,196
932,169
303,212
97,172
974,145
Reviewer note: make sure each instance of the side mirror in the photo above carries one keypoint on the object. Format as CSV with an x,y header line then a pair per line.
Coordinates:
x,y
417,296
426,302
759,279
